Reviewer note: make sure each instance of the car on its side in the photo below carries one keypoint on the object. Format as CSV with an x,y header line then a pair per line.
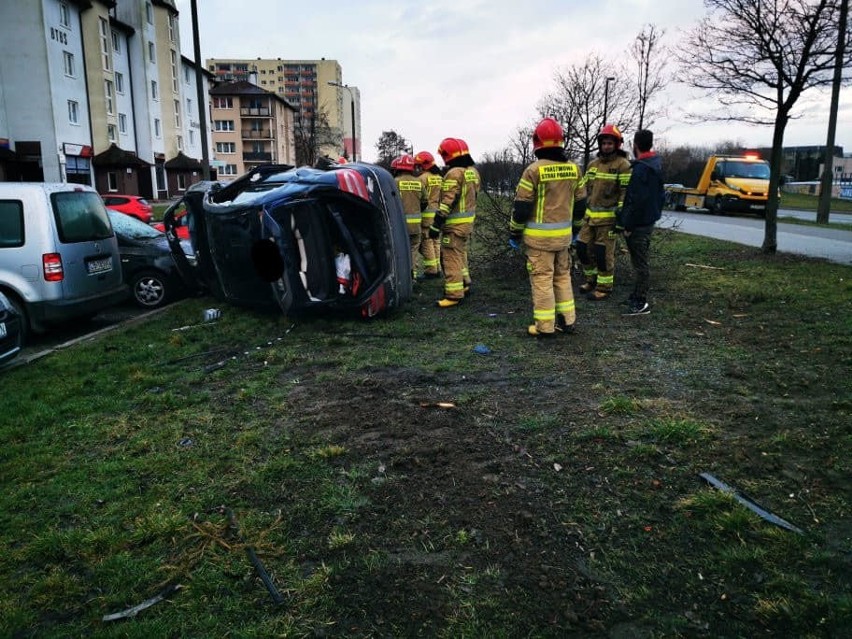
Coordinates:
x,y
306,239
147,263
11,331
132,205
59,257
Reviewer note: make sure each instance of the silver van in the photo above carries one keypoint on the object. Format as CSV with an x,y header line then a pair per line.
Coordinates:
x,y
59,256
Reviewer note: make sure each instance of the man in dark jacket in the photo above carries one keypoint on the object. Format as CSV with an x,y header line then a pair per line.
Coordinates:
x,y
643,205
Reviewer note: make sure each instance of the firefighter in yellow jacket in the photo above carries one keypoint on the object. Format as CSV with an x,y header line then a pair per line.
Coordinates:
x,y
543,218
606,181
455,218
431,178
413,198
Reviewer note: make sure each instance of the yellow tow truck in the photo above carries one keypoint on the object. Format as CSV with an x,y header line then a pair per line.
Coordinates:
x,y
729,183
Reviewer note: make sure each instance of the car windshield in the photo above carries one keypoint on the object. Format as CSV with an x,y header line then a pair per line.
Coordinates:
x,y
131,227
80,216
742,169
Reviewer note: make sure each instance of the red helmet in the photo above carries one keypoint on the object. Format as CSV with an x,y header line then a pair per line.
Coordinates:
x,y
451,148
425,159
406,162
610,130
395,163
341,159
548,133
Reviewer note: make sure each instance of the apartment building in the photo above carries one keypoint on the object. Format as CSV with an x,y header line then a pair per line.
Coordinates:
x,y
96,92
251,126
314,87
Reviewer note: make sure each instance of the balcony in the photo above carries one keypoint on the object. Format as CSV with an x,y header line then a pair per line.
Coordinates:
x,y
261,134
257,156
256,112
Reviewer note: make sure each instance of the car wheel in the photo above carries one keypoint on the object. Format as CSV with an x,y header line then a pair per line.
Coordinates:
x,y
25,321
149,289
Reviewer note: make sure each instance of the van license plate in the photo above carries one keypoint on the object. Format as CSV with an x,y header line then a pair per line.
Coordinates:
x,y
758,207
2,329
99,266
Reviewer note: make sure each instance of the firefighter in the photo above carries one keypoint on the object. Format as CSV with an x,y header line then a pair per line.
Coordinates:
x,y
413,198
605,180
431,178
455,217
542,218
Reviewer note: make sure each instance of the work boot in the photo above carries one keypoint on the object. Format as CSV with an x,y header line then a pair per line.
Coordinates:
x,y
447,303
638,308
534,332
563,327
598,295
588,287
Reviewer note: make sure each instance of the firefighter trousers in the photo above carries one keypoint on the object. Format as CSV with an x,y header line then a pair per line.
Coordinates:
x,y
454,262
431,251
596,250
550,280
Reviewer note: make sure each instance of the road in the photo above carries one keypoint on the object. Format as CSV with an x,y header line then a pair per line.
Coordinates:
x,y
835,245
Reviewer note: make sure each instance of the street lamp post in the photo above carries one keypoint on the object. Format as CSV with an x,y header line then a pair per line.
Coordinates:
x,y
606,97
352,108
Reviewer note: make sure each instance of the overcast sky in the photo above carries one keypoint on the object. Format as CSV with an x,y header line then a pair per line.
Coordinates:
x,y
475,69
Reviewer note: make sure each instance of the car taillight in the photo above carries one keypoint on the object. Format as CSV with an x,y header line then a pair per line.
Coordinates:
x,y
52,266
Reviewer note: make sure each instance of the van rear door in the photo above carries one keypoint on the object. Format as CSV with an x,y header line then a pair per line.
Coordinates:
x,y
87,244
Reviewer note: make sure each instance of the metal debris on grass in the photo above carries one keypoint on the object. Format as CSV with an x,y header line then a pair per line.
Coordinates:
x,y
750,503
135,610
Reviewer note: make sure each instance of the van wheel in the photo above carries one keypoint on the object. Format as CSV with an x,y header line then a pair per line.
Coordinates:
x,y
149,289
715,206
25,320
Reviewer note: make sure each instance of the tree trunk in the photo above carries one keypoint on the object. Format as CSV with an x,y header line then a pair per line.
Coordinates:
x,y
827,171
770,237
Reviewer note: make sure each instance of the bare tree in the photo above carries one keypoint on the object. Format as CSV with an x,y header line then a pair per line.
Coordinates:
x,y
758,57
391,145
651,59
580,99
314,136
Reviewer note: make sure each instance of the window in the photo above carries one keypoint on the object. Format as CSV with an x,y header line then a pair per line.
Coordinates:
x,y
68,61
116,43
174,70
172,29
229,169
149,13
111,132
152,53
157,127
226,147
187,75
119,82
108,96
155,91
223,103
104,38
181,182
11,224
188,108
177,113
179,139
73,112
122,123
191,137
112,181
223,125
64,15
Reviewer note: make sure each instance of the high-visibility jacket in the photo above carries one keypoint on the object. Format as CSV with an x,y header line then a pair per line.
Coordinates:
x,y
606,181
544,204
458,200
432,186
413,199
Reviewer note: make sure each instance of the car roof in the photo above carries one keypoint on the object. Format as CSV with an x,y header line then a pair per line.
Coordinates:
x,y
46,187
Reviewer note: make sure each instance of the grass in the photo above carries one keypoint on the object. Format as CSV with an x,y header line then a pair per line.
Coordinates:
x,y
557,495
833,225
808,202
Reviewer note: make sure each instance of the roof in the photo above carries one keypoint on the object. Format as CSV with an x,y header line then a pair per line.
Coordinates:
x,y
115,156
242,87
182,162
190,62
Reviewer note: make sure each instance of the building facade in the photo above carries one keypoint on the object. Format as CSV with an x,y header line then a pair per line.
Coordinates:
x,y
96,92
314,87
251,126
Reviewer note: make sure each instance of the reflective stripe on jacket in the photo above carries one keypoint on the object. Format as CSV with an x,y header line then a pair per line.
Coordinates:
x,y
413,199
458,200
432,186
606,181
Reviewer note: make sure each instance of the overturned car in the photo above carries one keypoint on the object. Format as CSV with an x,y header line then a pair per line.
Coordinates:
x,y
305,239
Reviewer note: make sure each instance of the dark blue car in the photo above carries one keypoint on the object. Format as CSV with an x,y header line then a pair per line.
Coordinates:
x,y
305,239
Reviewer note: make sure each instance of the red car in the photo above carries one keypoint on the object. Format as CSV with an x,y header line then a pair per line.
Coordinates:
x,y
132,205
181,226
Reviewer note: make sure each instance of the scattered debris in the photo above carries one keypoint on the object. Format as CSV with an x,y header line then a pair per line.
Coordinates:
x,y
712,322
277,598
750,503
211,314
135,610
712,268
481,349
437,405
